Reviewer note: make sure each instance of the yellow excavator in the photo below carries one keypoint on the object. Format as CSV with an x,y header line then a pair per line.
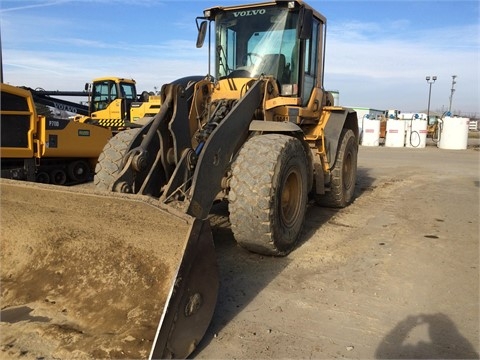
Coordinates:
x,y
128,270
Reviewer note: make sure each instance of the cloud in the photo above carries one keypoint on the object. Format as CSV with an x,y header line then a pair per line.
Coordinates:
x,y
379,64
65,53
40,4
70,71
373,66
46,3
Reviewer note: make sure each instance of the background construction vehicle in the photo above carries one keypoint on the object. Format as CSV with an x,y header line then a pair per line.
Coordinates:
x,y
112,102
262,134
60,151
44,97
47,150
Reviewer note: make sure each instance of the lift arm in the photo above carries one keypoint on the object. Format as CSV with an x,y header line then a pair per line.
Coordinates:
x,y
44,97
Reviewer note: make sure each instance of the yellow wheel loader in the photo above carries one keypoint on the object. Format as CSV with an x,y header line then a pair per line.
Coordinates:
x,y
134,274
114,103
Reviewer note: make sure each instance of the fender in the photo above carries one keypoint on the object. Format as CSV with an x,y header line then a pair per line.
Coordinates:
x,y
185,81
274,126
339,118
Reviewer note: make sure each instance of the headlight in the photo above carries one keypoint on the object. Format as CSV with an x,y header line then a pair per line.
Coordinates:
x,y
289,89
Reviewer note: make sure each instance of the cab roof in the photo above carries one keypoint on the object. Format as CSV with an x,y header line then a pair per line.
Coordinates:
x,y
282,3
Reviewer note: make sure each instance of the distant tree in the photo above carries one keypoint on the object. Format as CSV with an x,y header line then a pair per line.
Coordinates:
x,y
43,110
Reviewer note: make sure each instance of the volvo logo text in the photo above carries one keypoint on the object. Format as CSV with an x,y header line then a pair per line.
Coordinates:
x,y
249,12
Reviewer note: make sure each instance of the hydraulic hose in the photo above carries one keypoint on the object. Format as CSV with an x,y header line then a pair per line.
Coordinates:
x,y
412,132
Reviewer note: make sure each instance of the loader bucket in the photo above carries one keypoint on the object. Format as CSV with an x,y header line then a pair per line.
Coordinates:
x,y
101,275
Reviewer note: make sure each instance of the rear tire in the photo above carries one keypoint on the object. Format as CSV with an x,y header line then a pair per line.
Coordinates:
x,y
268,194
110,161
344,174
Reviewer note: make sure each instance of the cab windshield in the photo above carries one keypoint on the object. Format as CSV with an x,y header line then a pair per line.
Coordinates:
x,y
104,92
257,41
128,90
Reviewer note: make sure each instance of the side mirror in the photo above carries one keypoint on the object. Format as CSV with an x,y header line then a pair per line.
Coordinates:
x,y
202,31
305,24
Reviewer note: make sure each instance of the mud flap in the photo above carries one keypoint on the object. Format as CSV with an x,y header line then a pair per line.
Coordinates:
x,y
101,275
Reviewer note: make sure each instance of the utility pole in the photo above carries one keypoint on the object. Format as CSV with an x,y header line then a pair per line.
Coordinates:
x,y
452,90
430,81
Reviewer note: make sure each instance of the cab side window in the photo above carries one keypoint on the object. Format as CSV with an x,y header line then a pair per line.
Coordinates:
x,y
311,61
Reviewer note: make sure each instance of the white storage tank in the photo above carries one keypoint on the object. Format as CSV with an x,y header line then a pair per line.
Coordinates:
x,y
453,133
371,133
410,116
336,97
406,116
395,136
361,118
416,133
393,114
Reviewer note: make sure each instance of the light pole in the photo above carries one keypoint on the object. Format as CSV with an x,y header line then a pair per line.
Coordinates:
x,y
452,90
430,81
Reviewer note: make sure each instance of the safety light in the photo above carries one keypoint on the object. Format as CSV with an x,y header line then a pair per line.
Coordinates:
x,y
291,4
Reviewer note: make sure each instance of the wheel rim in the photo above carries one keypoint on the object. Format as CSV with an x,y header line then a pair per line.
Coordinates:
x,y
59,177
291,198
79,170
347,170
43,177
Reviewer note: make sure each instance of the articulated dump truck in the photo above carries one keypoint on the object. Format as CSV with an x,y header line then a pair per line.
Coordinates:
x,y
128,269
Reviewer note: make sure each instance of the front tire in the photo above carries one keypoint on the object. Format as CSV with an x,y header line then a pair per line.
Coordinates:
x,y
268,194
110,161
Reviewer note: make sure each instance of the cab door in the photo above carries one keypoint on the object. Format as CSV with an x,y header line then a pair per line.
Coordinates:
x,y
311,62
106,104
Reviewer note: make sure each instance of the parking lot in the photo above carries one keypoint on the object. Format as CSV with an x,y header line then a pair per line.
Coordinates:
x,y
394,275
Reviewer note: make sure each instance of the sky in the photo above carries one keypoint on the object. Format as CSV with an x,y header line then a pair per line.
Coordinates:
x,y
378,52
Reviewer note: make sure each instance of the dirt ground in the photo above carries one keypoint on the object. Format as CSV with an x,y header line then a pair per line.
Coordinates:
x,y
394,275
